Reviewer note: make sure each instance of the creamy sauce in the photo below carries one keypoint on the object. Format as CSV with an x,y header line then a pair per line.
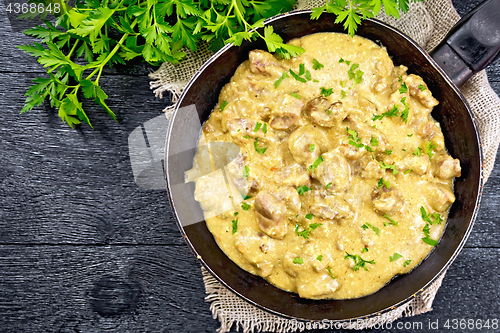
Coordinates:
x,y
337,177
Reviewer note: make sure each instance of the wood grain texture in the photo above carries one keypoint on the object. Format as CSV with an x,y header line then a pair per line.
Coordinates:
x,y
83,249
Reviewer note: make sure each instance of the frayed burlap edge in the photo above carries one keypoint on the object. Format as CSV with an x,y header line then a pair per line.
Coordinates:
x,y
427,23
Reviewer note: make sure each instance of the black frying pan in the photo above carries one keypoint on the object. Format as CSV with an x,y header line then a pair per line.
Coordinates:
x,y
453,113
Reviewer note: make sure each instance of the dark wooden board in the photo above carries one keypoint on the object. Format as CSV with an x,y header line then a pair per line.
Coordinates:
x,y
83,249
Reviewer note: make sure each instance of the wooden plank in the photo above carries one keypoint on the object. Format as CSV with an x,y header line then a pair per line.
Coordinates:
x,y
60,185
159,289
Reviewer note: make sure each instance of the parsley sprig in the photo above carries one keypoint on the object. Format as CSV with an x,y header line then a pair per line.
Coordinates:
x,y
306,233
358,261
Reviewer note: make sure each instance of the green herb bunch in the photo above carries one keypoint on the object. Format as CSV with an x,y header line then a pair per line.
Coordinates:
x,y
94,34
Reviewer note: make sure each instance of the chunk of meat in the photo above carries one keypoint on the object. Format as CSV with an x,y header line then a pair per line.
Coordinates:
x,y
270,213
383,70
417,164
331,208
306,143
291,198
287,112
449,168
438,196
373,170
293,175
324,113
258,249
334,172
262,62
387,201
323,287
423,95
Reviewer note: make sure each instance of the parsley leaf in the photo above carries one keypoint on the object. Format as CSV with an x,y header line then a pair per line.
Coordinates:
x,y
329,185
388,152
427,218
326,92
330,273
235,226
383,165
257,126
311,147
422,87
316,163
223,105
298,261
303,189
245,206
246,171
363,250
430,241
383,182
354,74
395,257
358,261
264,129
320,257
406,263
283,76
317,65
406,111
391,113
297,77
295,95
374,141
309,216
407,171
306,233
258,150
417,152
368,225
403,89
392,222
428,149
342,92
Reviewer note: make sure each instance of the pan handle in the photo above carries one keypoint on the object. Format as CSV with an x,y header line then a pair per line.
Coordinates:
x,y
472,44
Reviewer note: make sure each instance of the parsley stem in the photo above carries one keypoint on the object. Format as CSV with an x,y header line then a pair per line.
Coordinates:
x,y
72,49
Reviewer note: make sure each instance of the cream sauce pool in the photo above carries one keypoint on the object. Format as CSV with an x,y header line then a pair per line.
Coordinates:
x,y
342,179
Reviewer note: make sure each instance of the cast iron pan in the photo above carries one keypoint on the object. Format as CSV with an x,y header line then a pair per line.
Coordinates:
x,y
453,113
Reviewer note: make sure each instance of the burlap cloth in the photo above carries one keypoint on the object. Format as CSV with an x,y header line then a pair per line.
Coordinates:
x,y
427,23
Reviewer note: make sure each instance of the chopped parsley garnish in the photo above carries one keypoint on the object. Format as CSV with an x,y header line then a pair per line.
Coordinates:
x,y
235,226
330,272
410,135
427,230
392,222
355,141
406,263
383,182
430,241
406,111
418,152
427,218
257,127
374,141
365,249
308,76
391,113
403,89
313,166
314,80
388,152
298,261
264,129
303,189
306,233
309,216
297,77
247,136
383,165
317,65
356,75
295,95
428,149
223,105
400,78
235,213
422,87
320,257
245,206
407,171
257,149
302,69
368,148
278,82
311,147
358,261
368,225
346,61
342,84
342,93
395,256
328,185
246,171
326,92
245,197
